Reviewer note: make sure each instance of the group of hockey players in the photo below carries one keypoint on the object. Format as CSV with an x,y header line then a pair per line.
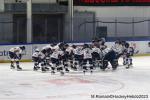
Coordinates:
x,y
63,57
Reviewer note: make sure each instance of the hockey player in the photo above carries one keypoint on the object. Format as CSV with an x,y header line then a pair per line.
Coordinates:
x,y
96,55
55,59
36,57
123,51
109,56
102,45
118,49
69,52
67,57
87,58
45,57
128,53
78,56
15,54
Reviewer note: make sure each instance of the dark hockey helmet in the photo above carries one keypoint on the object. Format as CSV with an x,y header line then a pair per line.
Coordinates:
x,y
48,50
53,44
22,47
61,45
98,40
117,42
74,46
127,45
85,46
93,41
123,42
66,45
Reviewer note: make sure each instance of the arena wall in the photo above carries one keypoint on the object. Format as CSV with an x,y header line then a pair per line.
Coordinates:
x,y
141,46
117,11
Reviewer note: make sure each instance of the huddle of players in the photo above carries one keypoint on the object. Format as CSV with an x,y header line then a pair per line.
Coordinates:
x,y
58,57
86,57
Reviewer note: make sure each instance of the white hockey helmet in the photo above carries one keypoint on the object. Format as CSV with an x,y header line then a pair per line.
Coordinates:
x,y
37,50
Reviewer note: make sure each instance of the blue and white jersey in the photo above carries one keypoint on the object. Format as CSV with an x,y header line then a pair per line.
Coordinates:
x,y
69,50
97,50
117,48
46,47
46,50
16,50
36,54
56,54
55,47
87,53
130,51
105,51
78,51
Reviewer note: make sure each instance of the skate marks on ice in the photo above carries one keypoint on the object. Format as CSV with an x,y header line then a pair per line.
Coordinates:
x,y
79,86
56,87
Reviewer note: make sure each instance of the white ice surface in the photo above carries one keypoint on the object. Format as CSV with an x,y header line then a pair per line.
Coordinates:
x,y
31,85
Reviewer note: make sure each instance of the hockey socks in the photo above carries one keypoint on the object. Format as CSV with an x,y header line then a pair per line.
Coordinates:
x,y
18,66
12,65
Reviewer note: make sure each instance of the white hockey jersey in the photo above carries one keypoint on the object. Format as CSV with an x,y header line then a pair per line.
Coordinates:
x,y
47,47
69,50
36,54
97,50
16,50
78,51
105,51
129,51
56,54
56,47
87,53
117,48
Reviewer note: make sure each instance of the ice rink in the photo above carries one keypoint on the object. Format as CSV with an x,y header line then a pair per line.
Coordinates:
x,y
31,85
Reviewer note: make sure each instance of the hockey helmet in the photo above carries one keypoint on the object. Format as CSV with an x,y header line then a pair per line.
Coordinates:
x,y
37,50
127,45
86,46
22,48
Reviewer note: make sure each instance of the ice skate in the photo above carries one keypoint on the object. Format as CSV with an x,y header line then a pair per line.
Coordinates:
x,y
19,68
124,63
36,68
91,71
53,72
131,64
114,68
67,70
127,67
12,67
62,73
75,68
84,72
43,69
